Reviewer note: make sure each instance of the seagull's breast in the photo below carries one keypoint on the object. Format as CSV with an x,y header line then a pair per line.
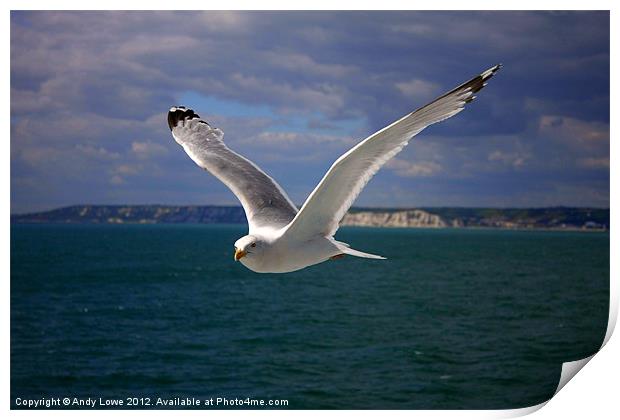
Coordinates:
x,y
284,257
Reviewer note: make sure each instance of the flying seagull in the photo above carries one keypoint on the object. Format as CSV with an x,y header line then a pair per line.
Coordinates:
x,y
281,238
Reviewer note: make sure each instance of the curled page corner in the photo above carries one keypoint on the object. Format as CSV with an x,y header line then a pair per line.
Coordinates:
x,y
519,412
613,314
569,370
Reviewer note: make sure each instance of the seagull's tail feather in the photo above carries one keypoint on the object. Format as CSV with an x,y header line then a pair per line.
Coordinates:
x,y
354,252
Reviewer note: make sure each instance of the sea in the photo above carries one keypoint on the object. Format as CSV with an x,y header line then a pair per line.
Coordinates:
x,y
453,319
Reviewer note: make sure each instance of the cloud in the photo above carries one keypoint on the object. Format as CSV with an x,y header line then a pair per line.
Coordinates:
x,y
305,64
324,97
297,139
117,180
515,160
143,46
147,149
577,143
126,169
90,92
594,163
577,133
414,169
417,87
95,152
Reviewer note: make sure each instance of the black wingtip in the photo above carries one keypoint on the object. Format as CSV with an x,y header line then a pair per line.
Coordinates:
x,y
477,83
490,72
180,113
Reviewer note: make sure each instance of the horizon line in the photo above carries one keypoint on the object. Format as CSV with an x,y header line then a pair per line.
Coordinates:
x,y
352,207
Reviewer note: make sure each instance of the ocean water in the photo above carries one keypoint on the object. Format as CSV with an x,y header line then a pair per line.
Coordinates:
x,y
476,319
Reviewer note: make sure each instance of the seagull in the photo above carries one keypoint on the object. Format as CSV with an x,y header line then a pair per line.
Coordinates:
x,y
280,237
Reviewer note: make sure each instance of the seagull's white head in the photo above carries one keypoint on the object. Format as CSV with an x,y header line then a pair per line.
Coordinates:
x,y
248,247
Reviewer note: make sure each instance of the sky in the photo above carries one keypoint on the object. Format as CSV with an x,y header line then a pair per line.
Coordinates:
x,y
292,91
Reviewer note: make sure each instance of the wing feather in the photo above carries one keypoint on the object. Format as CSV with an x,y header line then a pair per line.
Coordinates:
x,y
265,204
334,195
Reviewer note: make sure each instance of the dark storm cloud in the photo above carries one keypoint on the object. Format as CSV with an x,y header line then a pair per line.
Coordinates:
x,y
90,90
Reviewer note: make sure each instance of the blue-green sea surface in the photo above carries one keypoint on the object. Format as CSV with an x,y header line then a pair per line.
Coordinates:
x,y
476,319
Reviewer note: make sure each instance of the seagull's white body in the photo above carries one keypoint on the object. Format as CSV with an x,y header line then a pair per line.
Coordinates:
x,y
283,255
281,238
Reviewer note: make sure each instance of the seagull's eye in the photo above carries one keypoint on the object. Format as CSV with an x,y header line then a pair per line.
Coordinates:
x,y
253,245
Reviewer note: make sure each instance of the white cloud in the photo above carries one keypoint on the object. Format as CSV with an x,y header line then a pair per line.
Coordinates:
x,y
514,159
144,45
147,149
128,169
414,169
574,131
280,138
305,64
418,88
94,152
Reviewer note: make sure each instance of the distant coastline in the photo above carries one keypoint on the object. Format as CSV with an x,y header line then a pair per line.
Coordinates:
x,y
548,218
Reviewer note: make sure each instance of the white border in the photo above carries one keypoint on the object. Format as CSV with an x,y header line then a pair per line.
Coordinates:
x,y
592,394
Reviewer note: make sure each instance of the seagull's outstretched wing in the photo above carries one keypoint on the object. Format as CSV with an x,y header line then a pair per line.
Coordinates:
x,y
330,200
266,205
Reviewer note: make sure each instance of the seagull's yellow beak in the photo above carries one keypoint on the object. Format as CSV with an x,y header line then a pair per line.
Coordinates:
x,y
239,253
